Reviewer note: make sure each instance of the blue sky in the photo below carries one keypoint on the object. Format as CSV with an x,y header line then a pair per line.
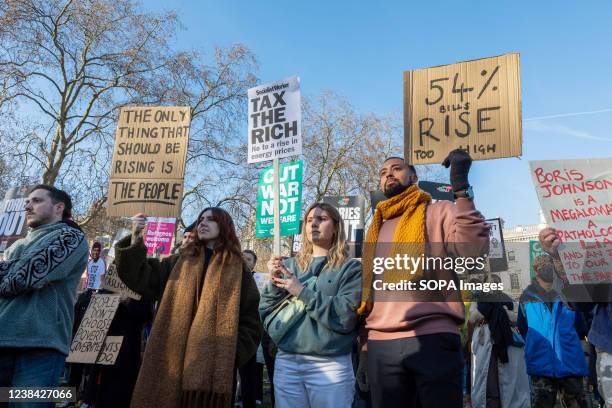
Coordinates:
x,y
360,49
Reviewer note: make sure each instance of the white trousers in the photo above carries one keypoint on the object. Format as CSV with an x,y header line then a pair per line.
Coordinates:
x,y
307,381
604,376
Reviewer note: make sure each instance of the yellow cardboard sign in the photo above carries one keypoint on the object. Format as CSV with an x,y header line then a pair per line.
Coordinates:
x,y
473,105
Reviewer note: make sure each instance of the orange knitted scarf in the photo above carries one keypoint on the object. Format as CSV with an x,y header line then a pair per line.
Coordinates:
x,y
408,239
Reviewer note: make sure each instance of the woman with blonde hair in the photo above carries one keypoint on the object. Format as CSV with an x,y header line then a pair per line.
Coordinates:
x,y
309,308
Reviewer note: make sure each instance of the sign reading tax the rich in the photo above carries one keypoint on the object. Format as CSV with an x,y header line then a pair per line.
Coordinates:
x,y
472,105
576,198
275,118
148,164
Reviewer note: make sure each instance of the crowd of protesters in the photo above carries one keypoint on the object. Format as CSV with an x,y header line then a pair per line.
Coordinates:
x,y
326,338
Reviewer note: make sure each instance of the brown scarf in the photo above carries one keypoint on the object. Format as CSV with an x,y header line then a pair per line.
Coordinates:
x,y
189,360
409,237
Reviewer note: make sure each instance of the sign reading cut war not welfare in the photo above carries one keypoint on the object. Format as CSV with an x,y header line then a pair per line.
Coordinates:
x,y
290,200
275,118
576,197
472,105
148,164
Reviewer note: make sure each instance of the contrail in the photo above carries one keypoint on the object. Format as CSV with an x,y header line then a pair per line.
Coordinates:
x,y
564,115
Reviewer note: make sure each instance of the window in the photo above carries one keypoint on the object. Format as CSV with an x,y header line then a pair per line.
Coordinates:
x,y
515,285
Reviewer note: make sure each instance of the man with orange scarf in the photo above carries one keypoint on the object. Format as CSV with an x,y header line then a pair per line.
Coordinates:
x,y
413,349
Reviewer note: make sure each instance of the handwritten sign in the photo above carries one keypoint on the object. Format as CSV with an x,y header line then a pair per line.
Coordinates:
x,y
275,118
89,338
112,283
290,200
148,164
472,105
576,197
110,350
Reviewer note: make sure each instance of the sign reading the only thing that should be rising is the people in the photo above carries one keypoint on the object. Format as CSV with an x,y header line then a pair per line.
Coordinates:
x,y
290,200
274,121
148,164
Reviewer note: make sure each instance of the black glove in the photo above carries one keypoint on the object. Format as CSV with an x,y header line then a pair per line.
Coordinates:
x,y
459,162
362,372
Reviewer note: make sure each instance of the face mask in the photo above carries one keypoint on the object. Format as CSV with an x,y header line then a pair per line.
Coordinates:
x,y
546,273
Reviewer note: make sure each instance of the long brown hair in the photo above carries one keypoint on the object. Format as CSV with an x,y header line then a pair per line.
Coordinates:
x,y
338,252
227,240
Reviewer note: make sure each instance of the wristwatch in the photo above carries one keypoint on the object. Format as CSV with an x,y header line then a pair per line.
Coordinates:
x,y
467,193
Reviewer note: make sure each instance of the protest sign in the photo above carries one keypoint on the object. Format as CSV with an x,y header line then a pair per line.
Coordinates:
x,y
576,198
290,200
497,252
473,105
149,161
13,217
112,283
275,118
535,250
352,211
158,236
438,191
296,246
261,279
110,350
90,336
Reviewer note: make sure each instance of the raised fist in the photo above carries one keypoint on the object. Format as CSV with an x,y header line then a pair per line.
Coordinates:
x,y
459,162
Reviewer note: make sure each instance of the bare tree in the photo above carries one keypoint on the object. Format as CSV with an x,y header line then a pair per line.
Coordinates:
x,y
67,66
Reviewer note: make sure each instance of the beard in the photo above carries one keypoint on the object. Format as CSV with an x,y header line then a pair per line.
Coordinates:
x,y
392,191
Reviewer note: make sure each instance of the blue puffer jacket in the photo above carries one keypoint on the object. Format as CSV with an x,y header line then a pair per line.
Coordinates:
x,y
551,331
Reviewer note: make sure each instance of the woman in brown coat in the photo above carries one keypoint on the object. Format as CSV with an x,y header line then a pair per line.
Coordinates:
x,y
207,323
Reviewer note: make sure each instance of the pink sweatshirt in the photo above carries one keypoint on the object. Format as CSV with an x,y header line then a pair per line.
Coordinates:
x,y
446,223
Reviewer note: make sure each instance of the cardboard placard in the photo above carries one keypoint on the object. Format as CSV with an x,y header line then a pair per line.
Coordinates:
x,y
158,235
112,282
473,105
290,200
275,121
90,336
576,198
148,164
110,350
13,217
352,211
